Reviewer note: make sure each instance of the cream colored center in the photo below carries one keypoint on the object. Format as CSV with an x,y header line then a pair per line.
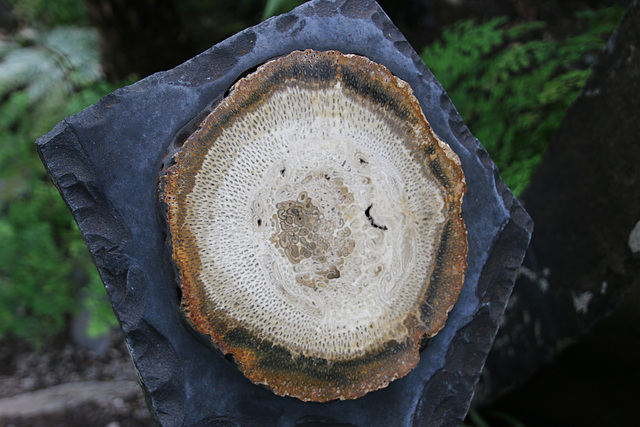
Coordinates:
x,y
316,227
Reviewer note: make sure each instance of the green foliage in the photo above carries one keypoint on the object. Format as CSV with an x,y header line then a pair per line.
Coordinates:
x,y
49,13
276,7
94,302
512,85
43,259
34,288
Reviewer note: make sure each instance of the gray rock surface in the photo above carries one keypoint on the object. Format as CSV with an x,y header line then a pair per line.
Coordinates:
x,y
77,404
65,397
105,161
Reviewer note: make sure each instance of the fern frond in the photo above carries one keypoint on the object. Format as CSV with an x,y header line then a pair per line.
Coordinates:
x,y
512,86
461,47
64,59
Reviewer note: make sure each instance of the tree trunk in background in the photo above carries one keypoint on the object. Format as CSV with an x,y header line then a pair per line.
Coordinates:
x,y
138,37
585,202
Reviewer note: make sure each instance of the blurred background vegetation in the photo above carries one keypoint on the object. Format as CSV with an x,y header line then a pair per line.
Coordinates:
x,y
511,79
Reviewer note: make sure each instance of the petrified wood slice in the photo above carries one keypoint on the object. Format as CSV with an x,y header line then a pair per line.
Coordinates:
x,y
106,160
315,225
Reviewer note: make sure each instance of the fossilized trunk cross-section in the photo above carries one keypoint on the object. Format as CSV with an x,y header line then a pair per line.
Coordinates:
x,y
315,226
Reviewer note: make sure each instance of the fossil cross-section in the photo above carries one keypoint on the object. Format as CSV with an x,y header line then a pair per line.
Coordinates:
x,y
314,221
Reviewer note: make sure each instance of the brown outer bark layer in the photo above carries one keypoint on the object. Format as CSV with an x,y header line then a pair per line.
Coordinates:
x,y
263,363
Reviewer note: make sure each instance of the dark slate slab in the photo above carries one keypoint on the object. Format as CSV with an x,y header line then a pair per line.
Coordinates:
x,y
105,161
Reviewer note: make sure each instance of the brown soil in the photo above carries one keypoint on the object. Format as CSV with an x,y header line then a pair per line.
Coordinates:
x,y
67,384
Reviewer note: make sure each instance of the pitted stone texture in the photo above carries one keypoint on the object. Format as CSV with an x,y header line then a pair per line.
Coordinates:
x,y
106,160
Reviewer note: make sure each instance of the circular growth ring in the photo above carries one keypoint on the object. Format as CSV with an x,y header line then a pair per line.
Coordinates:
x,y
315,226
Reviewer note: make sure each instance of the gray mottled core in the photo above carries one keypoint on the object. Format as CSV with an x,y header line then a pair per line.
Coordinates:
x,y
105,161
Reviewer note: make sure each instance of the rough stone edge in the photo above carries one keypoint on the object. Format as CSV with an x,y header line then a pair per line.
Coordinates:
x,y
493,291
105,235
115,279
